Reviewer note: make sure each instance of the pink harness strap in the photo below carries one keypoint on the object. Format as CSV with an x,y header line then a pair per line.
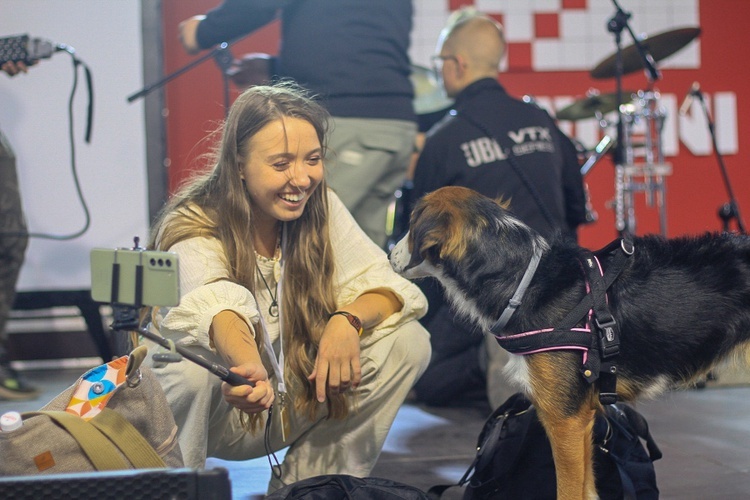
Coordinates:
x,y
574,347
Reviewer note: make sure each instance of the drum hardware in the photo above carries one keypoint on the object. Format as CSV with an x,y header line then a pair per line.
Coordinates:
x,y
643,168
594,105
660,46
429,96
592,158
591,216
598,153
639,163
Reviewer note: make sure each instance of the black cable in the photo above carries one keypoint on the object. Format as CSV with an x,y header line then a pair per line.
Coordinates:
x,y
71,138
275,469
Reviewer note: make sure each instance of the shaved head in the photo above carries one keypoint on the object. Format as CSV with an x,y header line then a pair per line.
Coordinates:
x,y
480,40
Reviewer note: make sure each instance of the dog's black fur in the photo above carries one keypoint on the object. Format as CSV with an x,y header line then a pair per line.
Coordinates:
x,y
681,304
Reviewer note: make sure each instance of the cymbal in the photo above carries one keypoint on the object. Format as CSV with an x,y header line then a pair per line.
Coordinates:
x,y
659,46
428,94
588,106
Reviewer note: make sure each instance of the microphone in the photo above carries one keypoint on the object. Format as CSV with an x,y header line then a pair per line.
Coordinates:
x,y
23,48
694,90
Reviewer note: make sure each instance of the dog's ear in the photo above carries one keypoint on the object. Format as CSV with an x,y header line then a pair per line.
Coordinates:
x,y
438,231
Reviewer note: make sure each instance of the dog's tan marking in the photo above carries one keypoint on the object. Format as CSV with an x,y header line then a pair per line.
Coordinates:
x,y
569,429
450,224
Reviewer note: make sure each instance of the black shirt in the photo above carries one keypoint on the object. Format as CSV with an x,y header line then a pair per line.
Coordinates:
x,y
352,53
471,145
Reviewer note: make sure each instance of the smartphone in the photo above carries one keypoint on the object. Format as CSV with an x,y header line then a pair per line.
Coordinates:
x,y
135,277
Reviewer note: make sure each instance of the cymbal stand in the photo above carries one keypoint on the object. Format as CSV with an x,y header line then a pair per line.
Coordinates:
x,y
616,25
731,209
643,169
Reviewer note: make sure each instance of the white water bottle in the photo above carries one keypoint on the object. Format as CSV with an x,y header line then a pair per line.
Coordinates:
x,y
10,421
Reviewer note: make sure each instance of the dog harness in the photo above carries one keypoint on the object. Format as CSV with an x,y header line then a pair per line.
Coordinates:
x,y
600,351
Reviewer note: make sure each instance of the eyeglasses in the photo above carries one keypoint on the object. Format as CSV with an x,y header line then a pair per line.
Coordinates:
x,y
437,63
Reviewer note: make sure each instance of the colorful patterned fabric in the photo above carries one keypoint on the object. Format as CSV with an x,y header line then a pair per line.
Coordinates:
x,y
96,387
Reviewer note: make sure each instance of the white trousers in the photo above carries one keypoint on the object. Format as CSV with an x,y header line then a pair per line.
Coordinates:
x,y
208,426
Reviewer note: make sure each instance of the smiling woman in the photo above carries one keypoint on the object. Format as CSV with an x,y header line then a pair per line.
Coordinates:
x,y
284,167
279,282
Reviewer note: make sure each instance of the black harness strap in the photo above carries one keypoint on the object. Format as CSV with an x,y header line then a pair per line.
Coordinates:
x,y
553,339
603,342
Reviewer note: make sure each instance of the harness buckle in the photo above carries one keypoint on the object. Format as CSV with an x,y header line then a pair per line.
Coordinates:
x,y
609,322
608,341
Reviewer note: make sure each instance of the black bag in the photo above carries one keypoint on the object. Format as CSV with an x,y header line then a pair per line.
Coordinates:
x,y
342,486
514,458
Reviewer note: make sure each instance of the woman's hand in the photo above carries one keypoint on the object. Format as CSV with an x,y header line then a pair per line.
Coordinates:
x,y
337,365
255,397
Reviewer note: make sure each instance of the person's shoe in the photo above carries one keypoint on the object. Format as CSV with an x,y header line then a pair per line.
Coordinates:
x,y
13,387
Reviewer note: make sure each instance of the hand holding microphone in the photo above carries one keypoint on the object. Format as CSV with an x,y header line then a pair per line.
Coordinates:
x,y
19,52
13,68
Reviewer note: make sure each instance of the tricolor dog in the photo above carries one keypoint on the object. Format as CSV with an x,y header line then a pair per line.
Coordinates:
x,y
644,315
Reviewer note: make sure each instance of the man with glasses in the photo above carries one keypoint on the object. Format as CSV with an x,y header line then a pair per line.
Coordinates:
x,y
501,147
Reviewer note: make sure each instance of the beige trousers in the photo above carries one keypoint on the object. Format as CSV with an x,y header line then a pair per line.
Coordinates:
x,y
208,426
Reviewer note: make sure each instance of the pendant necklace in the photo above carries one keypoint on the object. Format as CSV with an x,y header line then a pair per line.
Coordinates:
x,y
273,309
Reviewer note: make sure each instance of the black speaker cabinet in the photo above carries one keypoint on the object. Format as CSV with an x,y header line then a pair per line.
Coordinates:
x,y
145,484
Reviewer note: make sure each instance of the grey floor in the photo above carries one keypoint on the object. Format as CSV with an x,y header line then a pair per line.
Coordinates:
x,y
703,433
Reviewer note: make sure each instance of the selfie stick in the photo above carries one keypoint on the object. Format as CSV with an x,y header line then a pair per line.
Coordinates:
x,y
126,318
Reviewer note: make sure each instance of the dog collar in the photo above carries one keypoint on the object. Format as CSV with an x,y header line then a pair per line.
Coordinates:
x,y
515,301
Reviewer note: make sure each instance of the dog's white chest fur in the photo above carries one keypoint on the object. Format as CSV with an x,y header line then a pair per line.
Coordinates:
x,y
516,369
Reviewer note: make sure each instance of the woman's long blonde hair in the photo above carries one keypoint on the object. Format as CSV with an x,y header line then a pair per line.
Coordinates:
x,y
227,215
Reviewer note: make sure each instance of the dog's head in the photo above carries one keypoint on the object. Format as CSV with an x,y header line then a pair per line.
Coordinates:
x,y
450,223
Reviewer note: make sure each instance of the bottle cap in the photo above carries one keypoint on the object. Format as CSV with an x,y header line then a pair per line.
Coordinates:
x,y
10,421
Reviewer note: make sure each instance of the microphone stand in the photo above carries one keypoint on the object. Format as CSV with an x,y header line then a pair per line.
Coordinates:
x,y
615,25
223,58
731,209
221,54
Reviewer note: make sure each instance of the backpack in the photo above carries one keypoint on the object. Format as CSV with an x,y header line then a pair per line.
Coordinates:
x,y
342,486
514,457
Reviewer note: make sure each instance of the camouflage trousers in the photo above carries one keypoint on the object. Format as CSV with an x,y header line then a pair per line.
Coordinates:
x,y
13,237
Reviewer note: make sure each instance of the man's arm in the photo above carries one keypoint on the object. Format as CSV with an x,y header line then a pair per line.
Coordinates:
x,y
230,20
